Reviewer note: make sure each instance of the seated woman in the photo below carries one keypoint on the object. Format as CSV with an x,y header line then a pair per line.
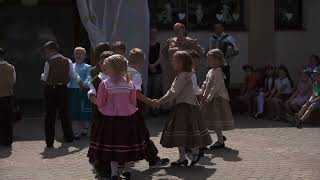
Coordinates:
x,y
313,103
300,96
264,90
281,92
249,88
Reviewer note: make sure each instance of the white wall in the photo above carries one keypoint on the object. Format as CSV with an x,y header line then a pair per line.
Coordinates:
x,y
203,38
293,48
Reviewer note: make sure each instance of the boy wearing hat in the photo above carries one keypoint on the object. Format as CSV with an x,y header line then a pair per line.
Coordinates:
x,y
7,81
313,103
58,71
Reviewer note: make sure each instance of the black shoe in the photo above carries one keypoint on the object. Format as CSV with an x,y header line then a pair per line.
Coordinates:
x,y
76,137
224,138
217,145
160,163
180,163
126,175
299,125
258,116
114,177
49,145
195,159
68,140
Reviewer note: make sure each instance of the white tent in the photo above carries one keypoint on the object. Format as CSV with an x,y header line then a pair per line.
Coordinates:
x,y
117,20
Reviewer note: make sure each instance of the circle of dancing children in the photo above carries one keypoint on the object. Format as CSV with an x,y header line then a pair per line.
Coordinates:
x,y
185,127
119,136
79,105
215,101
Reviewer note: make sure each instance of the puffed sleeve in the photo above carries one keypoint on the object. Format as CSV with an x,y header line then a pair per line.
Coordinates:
x,y
217,84
102,95
176,87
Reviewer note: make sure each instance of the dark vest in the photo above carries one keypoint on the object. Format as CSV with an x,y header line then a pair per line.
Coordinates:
x,y
223,44
58,71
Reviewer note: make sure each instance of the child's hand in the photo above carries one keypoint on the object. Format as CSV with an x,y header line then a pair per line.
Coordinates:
x,y
201,98
92,98
155,104
204,104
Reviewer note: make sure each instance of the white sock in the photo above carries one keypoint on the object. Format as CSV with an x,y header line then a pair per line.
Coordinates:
x,y
114,168
182,153
260,103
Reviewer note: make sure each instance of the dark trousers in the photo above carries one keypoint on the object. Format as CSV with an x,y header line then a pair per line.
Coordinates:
x,y
151,150
57,101
226,71
6,120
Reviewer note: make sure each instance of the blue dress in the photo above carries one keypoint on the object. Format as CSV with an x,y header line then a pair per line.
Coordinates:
x,y
80,108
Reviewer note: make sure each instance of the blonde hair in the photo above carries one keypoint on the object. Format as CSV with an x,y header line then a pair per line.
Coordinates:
x,y
80,49
136,56
117,63
185,58
217,54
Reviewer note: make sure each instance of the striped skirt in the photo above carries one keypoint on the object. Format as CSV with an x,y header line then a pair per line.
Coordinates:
x,y
117,138
218,115
185,128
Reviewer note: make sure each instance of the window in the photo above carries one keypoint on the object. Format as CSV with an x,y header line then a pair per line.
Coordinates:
x,y
288,14
197,14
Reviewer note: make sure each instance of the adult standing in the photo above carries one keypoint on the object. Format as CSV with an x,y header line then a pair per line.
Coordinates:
x,y
58,71
7,81
155,69
227,44
180,41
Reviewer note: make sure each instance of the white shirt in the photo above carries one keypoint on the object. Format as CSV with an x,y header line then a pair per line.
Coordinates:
x,y
279,83
72,73
14,71
93,90
215,42
196,88
136,78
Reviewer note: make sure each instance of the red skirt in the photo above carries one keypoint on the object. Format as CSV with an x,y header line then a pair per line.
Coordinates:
x,y
117,138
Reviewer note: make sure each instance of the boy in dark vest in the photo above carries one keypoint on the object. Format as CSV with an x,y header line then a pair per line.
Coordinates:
x,y
227,44
58,71
7,81
97,52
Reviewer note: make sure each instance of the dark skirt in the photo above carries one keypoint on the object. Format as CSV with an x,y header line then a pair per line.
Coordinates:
x,y
185,128
117,138
80,108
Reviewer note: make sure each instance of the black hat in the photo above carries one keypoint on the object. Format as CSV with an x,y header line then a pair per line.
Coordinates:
x,y
51,45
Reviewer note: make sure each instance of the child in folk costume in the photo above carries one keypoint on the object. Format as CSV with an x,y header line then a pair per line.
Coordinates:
x,y
79,105
136,60
118,136
101,47
101,167
215,104
184,128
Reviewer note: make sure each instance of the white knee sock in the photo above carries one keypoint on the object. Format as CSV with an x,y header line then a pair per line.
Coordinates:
x,y
260,103
182,154
114,168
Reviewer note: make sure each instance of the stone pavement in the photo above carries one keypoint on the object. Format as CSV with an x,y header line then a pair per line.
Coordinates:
x,y
257,149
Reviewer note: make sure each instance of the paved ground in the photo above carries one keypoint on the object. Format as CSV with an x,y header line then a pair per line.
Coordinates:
x,y
257,149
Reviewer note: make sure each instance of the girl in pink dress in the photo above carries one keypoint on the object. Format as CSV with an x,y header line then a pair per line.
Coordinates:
x,y
118,138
